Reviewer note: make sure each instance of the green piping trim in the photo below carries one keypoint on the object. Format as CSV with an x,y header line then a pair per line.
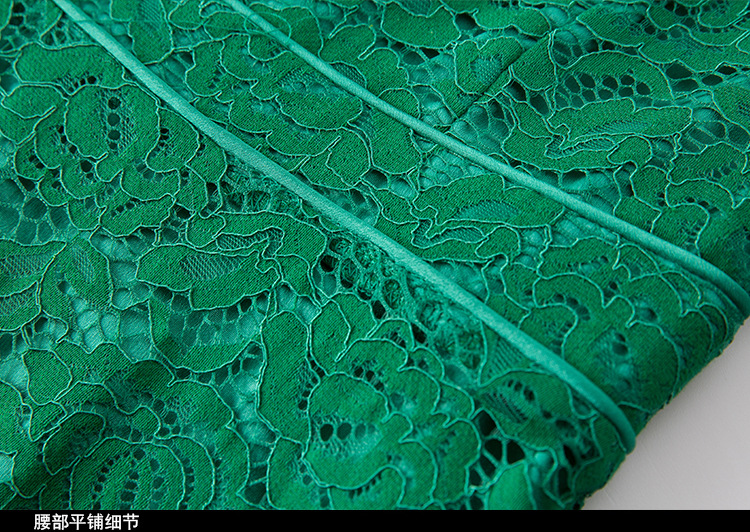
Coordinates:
x,y
532,349
693,263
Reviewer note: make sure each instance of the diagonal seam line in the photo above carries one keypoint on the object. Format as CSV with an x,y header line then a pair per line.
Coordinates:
x,y
532,349
701,267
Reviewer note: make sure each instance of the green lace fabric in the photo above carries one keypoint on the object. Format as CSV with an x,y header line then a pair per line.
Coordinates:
x,y
360,254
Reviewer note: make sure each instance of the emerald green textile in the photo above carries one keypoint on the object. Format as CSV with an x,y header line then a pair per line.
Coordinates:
x,y
360,254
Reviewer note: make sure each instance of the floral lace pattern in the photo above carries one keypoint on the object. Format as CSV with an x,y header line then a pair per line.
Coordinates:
x,y
178,329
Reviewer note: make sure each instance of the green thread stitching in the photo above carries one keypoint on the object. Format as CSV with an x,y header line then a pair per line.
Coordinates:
x,y
666,249
532,349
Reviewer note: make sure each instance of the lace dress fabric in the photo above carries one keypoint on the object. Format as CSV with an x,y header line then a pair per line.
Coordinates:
x,y
353,254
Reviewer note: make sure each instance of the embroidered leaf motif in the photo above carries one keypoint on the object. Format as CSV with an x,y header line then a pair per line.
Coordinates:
x,y
436,254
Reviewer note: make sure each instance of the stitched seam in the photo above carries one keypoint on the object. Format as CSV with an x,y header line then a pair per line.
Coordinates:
x,y
701,267
532,349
